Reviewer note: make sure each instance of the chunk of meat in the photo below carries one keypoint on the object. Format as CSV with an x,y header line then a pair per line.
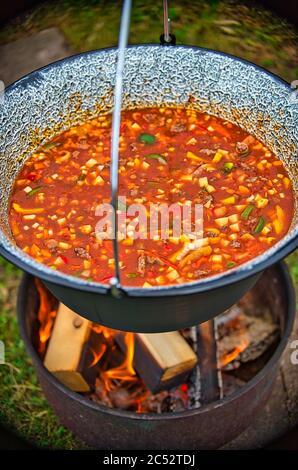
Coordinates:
x,y
51,245
81,252
133,147
242,148
178,127
207,151
235,244
149,117
141,268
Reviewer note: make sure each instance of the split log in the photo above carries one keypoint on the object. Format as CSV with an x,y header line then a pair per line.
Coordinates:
x,y
162,360
69,352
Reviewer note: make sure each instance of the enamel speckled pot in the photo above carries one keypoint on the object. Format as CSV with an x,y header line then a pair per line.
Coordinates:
x,y
65,93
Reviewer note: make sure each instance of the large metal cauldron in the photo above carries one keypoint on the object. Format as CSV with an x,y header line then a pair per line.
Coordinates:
x,y
208,427
65,93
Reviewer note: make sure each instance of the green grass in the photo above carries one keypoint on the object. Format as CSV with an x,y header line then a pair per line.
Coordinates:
x,y
247,32
23,405
229,26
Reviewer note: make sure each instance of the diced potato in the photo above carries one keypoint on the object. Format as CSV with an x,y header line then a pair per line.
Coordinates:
x,y
209,188
240,207
160,280
235,227
229,200
272,191
266,230
86,273
87,264
233,236
216,258
99,180
86,229
261,201
208,204
145,165
203,182
64,245
247,236
222,221
146,284
61,221
172,275
233,218
217,157
191,141
91,162
136,126
58,261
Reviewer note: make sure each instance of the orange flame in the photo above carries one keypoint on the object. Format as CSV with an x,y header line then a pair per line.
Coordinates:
x,y
232,355
97,355
46,315
125,371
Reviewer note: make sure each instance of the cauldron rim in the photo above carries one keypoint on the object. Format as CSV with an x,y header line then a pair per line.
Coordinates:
x,y
245,270
290,302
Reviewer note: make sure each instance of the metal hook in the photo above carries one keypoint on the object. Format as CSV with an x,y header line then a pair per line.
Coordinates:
x,y
116,290
167,39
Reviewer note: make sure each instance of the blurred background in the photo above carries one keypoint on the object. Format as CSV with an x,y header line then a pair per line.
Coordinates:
x,y
34,33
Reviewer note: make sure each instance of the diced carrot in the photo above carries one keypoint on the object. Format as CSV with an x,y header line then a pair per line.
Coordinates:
x,y
244,190
286,182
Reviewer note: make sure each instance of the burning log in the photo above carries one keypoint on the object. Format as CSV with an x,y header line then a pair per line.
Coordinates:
x,y
243,338
162,360
70,350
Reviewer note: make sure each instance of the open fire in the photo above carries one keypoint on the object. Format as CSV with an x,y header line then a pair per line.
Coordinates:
x,y
240,338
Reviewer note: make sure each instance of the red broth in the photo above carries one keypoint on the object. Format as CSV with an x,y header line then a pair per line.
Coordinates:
x,y
167,155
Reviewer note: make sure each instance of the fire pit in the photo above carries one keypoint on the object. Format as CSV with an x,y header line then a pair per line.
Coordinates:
x,y
238,357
